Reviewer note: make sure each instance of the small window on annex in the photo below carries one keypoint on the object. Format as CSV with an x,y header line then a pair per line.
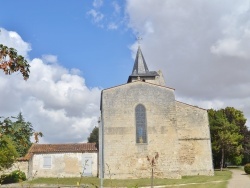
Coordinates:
x,y
141,124
46,161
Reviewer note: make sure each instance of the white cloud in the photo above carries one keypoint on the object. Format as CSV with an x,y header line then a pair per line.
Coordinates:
x,y
116,6
178,38
97,3
96,15
235,33
54,99
112,26
149,27
230,47
102,17
49,58
13,39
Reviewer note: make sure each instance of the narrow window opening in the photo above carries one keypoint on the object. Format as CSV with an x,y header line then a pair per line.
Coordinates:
x,y
47,162
141,124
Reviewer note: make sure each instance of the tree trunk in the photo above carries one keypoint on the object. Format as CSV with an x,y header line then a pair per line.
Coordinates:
x,y
222,159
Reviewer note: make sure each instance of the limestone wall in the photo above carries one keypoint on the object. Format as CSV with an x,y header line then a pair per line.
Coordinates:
x,y
195,155
62,165
18,165
125,157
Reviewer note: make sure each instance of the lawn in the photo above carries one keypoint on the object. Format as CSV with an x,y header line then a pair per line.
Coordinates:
x,y
219,180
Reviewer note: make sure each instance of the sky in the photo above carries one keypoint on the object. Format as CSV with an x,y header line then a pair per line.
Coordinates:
x,y
77,48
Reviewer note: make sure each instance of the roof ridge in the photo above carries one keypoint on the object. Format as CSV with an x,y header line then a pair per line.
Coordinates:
x,y
59,148
138,81
191,105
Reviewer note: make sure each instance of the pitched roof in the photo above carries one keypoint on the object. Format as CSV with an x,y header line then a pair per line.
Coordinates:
x,y
59,148
191,105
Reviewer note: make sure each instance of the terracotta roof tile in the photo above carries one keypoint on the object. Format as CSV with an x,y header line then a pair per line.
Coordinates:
x,y
59,148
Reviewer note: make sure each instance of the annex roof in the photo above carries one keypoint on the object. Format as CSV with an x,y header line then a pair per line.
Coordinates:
x,y
60,148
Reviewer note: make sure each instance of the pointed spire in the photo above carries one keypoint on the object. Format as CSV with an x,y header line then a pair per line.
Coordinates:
x,y
140,66
140,69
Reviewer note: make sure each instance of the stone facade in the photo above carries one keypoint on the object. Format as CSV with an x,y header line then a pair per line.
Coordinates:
x,y
59,160
195,155
178,132
63,165
126,158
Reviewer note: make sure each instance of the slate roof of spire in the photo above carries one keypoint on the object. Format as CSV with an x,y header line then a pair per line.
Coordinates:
x,y
140,67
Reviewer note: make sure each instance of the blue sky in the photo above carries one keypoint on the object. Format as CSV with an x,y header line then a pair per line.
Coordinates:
x,y
65,29
77,48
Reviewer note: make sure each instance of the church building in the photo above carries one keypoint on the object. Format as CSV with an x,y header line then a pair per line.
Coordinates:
x,y
141,121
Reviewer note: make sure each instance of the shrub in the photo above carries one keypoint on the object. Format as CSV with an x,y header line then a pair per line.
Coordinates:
x,y
247,168
14,177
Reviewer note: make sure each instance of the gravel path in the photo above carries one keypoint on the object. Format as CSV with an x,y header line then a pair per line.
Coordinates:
x,y
239,179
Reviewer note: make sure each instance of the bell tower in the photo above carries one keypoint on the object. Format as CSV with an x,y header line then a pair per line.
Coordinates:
x,y
141,72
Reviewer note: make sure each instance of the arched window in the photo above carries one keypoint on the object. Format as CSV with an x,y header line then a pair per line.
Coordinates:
x,y
141,124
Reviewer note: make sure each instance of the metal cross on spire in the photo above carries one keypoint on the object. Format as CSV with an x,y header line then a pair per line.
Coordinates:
x,y
139,39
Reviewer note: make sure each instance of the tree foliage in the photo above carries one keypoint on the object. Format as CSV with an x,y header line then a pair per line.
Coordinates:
x,y
19,132
14,136
11,62
247,168
94,136
8,152
229,135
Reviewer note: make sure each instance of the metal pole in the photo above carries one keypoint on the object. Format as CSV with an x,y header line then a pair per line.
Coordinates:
x,y
152,177
100,153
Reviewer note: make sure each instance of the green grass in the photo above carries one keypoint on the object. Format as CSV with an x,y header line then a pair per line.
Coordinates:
x,y
207,185
191,181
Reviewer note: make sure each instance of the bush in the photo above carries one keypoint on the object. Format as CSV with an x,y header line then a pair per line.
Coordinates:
x,y
247,168
14,177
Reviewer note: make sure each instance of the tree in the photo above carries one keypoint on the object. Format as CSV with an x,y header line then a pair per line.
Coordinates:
x,y
19,132
8,153
236,116
13,136
94,136
227,128
246,148
22,131
11,62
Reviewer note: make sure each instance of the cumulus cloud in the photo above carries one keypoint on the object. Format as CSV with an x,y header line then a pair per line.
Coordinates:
x,y
13,39
202,47
49,58
54,99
